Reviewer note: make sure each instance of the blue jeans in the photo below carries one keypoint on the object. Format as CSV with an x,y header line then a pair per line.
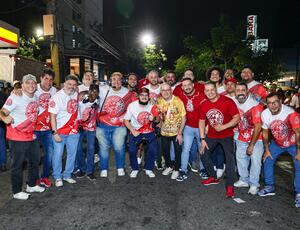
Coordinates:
x,y
45,138
191,137
87,165
276,151
134,142
71,142
2,146
243,161
111,136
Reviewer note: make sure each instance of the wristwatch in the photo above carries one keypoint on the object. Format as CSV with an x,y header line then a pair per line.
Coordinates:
x,y
54,132
202,138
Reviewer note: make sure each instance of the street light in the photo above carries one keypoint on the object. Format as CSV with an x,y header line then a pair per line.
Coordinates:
x,y
39,32
147,39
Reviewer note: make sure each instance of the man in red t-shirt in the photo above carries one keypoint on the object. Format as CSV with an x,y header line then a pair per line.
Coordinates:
x,y
191,98
221,115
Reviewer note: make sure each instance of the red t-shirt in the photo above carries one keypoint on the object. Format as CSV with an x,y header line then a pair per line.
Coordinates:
x,y
192,106
219,112
198,86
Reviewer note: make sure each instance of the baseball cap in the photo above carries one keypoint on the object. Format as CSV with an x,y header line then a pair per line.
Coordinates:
x,y
28,77
231,79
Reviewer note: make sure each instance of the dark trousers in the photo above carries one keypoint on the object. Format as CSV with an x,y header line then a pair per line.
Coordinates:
x,y
166,143
151,142
228,146
21,150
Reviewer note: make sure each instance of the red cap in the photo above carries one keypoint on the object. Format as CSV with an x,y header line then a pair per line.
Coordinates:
x,y
231,79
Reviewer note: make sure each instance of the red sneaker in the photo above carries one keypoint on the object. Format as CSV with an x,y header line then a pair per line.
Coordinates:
x,y
229,192
210,181
46,182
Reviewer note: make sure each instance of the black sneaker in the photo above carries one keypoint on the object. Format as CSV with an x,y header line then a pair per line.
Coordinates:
x,y
79,174
182,176
91,177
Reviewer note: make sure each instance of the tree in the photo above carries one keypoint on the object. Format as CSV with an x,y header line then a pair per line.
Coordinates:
x,y
28,48
153,58
226,48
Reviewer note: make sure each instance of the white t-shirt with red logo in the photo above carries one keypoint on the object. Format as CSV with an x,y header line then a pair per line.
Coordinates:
x,y
257,90
88,116
43,121
250,113
115,105
221,90
282,125
154,93
66,108
82,88
24,111
139,116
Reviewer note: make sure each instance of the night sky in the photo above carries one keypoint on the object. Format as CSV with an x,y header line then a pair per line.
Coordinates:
x,y
171,20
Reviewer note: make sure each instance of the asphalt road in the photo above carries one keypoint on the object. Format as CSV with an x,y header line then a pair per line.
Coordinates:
x,y
144,203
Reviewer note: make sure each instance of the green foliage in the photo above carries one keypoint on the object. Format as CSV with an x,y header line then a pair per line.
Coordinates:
x,y
28,48
153,58
226,49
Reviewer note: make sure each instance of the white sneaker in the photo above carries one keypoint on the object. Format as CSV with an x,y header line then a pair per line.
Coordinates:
x,y
149,173
167,171
134,173
70,181
253,190
139,160
220,173
96,158
174,175
21,196
121,172
59,183
241,184
35,189
103,173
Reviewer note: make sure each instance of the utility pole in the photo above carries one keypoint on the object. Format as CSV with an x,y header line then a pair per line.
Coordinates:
x,y
124,28
54,48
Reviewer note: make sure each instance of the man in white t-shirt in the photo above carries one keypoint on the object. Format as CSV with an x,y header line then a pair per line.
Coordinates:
x,y
20,114
63,109
138,119
44,92
284,125
110,130
87,80
153,86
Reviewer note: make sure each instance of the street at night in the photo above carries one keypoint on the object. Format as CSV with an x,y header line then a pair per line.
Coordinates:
x,y
144,203
150,114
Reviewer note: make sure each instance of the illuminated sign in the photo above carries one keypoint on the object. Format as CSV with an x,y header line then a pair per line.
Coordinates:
x,y
251,26
9,36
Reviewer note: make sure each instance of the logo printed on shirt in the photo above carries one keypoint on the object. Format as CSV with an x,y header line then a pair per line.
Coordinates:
x,y
279,129
72,106
9,102
215,117
31,111
114,105
143,118
44,100
52,104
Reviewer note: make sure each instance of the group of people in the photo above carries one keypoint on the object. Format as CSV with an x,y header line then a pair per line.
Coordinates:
x,y
236,127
